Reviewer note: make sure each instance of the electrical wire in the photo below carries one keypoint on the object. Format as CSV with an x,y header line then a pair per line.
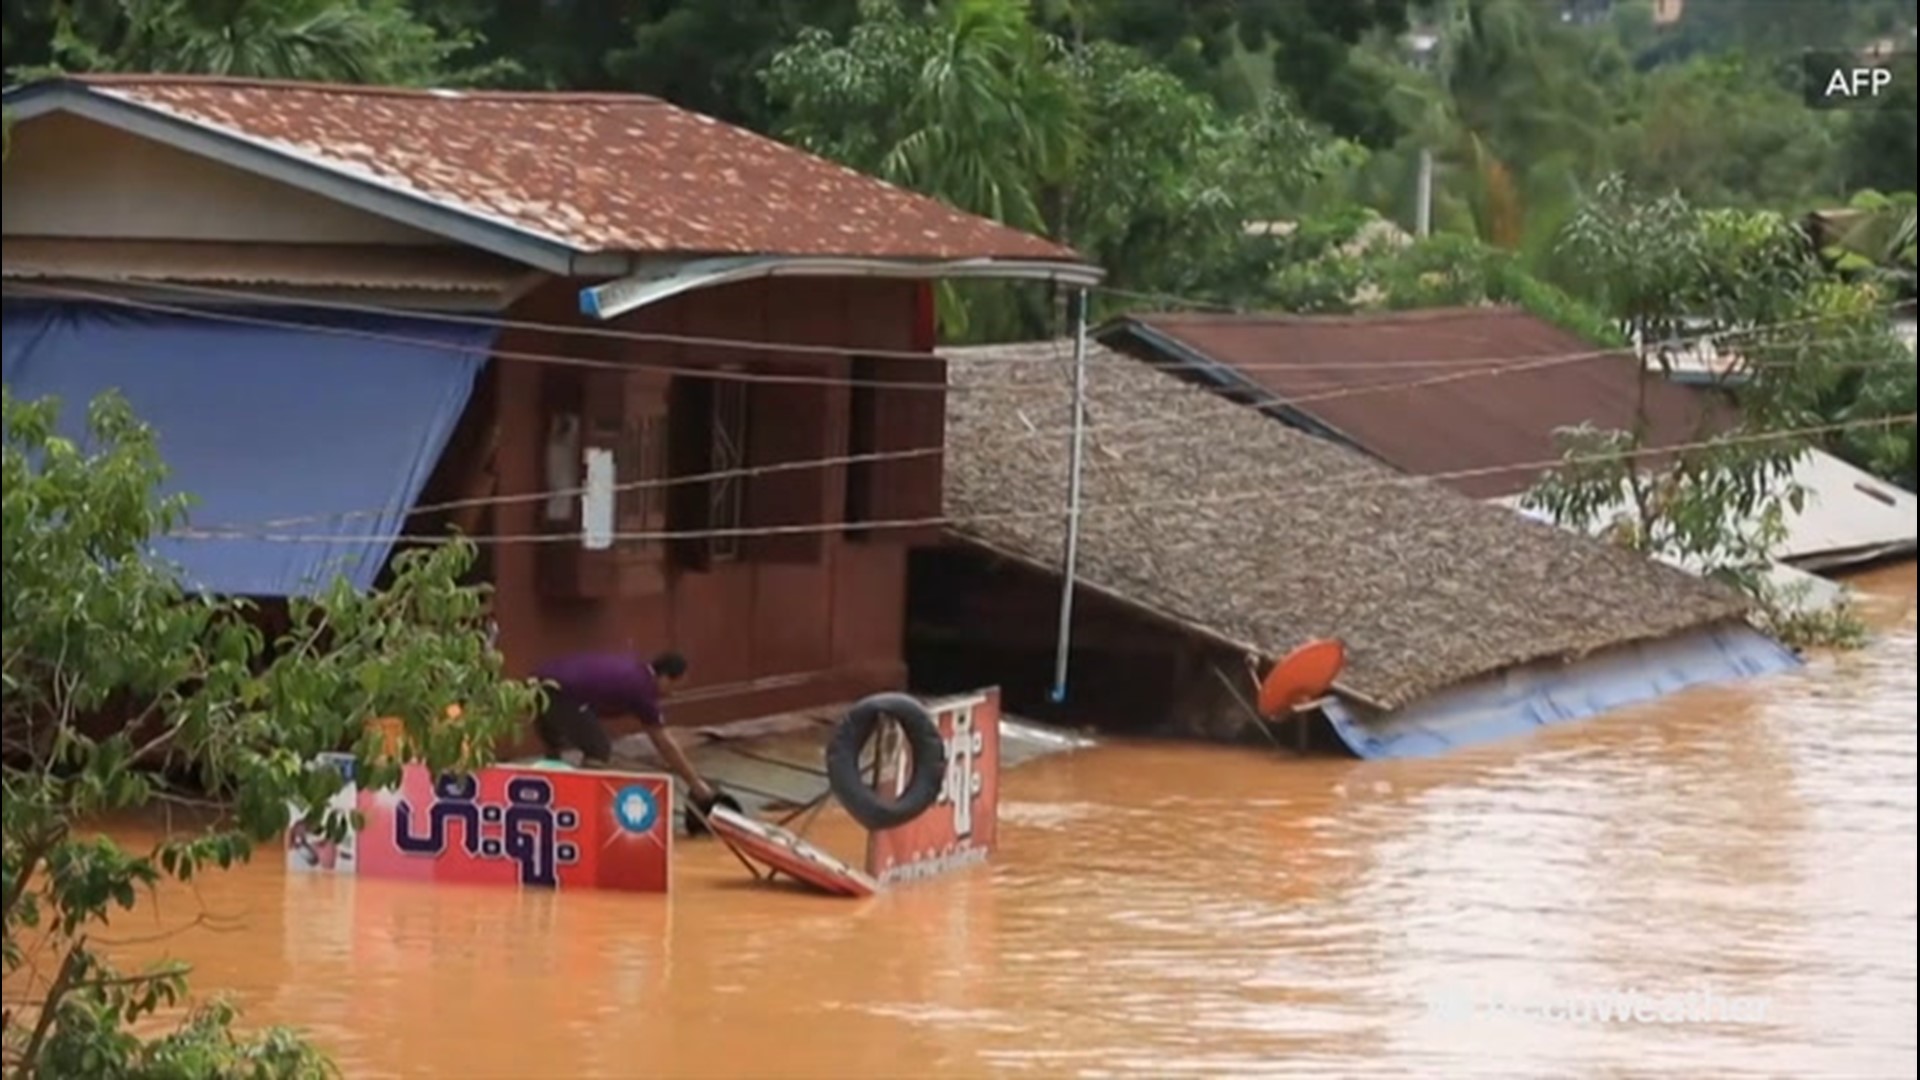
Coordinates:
x,y
1494,370
1182,429
788,348
1282,494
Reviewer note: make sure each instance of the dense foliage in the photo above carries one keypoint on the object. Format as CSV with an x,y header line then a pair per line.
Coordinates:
x,y
1093,145
96,632
1812,352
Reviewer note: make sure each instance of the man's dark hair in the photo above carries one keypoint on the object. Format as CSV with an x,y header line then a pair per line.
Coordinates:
x,y
669,665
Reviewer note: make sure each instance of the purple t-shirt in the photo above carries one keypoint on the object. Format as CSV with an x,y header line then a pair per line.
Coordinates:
x,y
612,684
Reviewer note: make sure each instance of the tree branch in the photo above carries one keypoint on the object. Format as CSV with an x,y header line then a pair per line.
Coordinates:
x,y
63,983
33,853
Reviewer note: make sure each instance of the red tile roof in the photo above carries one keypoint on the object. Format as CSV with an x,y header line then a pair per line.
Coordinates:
x,y
1461,423
596,172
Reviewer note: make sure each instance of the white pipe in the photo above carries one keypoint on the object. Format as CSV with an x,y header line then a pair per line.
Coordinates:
x,y
1423,208
1059,694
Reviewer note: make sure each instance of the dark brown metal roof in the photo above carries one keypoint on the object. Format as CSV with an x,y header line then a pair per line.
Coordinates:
x,y
1459,388
598,172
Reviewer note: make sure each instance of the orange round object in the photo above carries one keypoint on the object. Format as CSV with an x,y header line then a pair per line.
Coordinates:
x,y
1304,674
392,730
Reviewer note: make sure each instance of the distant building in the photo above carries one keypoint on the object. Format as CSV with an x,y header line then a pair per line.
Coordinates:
x,y
1422,45
1585,12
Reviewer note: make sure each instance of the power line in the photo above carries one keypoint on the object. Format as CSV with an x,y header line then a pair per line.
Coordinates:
x,y
1489,367
1194,501
1139,427
752,345
1134,428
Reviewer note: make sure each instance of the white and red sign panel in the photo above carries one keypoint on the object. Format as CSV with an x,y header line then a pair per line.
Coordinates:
x,y
963,825
777,849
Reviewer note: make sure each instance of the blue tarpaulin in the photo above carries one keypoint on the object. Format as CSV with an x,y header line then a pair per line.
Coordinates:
x,y
320,426
1520,700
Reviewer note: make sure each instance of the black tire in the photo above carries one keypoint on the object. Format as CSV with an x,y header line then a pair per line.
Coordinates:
x,y
925,747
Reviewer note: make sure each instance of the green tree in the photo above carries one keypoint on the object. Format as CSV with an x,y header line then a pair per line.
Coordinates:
x,y
1305,46
1873,238
1665,270
1348,262
1092,145
1165,183
122,692
1879,142
356,41
966,103
1784,27
1730,130
1514,109
707,56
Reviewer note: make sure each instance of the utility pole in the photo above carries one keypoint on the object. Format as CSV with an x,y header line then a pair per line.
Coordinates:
x,y
1423,208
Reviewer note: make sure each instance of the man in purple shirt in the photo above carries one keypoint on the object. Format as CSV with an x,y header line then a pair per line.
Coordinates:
x,y
589,686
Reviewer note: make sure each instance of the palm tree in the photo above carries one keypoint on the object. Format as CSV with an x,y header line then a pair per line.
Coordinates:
x,y
1513,89
966,103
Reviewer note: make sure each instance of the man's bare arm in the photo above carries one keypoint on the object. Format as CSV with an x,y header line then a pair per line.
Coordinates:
x,y
676,760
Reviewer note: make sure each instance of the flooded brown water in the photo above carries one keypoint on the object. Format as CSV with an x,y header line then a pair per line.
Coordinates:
x,y
1176,911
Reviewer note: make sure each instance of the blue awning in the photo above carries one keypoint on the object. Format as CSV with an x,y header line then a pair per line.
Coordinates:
x,y
336,420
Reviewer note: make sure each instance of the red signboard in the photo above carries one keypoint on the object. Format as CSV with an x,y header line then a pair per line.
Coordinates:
x,y
963,826
507,825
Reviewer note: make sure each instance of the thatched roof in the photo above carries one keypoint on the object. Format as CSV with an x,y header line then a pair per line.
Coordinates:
x,y
1426,587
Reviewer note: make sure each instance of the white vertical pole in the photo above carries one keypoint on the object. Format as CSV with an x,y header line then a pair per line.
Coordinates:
x,y
1075,457
1423,209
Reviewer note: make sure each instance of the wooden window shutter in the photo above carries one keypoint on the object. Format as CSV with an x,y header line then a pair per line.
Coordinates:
x,y
788,425
690,403
641,502
904,413
797,423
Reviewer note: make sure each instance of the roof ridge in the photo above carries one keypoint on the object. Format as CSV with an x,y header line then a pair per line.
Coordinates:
x,y
554,97
1352,318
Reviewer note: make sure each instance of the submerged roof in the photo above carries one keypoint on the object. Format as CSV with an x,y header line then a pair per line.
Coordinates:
x,y
1264,536
587,173
1465,413
1849,517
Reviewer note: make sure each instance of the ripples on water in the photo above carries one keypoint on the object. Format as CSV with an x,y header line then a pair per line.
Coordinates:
x,y
1176,911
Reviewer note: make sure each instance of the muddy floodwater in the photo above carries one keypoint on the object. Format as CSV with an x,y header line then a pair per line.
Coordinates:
x,y
1727,875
